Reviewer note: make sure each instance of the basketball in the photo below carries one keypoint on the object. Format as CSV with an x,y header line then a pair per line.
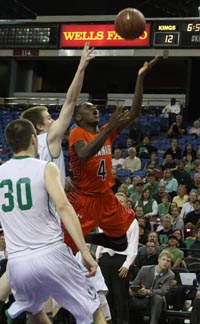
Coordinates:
x,y
129,23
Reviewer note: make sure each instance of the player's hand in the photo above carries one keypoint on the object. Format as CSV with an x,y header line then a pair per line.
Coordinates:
x,y
123,272
86,56
147,66
90,264
118,117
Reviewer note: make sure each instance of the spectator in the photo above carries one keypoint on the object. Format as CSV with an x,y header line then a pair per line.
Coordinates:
x,y
2,246
196,183
139,187
177,220
164,233
177,254
177,128
181,244
189,149
117,160
192,218
195,130
145,149
153,284
115,269
161,192
170,182
117,180
174,150
153,164
172,108
139,214
132,162
181,196
147,255
129,143
164,206
189,205
168,162
132,190
151,184
195,245
189,164
149,204
182,176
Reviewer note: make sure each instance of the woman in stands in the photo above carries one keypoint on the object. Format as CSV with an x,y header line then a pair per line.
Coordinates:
x,y
189,205
170,182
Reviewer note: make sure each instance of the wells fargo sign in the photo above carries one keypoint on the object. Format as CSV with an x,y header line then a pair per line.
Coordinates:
x,y
103,35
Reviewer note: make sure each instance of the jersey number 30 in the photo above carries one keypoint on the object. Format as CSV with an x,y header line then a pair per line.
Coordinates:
x,y
23,194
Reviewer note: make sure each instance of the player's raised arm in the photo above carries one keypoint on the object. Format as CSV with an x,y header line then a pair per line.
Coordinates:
x,y
61,124
135,110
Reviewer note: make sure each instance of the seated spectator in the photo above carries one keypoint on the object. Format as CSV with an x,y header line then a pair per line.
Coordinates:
x,y
145,149
181,243
153,284
132,189
153,164
143,234
178,128
177,220
129,143
174,150
139,187
146,255
182,176
139,214
195,245
189,205
195,314
177,254
117,160
195,130
129,183
196,183
161,192
189,164
181,196
189,149
170,182
149,204
165,231
132,162
169,163
164,206
192,217
151,184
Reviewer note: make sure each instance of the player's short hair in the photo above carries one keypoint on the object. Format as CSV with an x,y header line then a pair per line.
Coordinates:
x,y
18,134
34,114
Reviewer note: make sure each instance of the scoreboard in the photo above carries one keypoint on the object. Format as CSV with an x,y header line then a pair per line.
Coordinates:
x,y
161,33
185,34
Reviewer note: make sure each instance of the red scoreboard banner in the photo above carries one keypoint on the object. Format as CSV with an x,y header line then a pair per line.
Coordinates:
x,y
103,35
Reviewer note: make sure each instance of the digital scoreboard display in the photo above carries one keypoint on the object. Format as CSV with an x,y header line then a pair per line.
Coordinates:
x,y
29,36
179,34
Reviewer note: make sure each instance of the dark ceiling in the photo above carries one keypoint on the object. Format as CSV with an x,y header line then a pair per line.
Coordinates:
x,y
30,9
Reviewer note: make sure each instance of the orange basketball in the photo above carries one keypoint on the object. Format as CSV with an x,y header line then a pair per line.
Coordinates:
x,y
129,23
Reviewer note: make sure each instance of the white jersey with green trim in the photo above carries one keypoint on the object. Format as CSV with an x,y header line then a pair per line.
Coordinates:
x,y
26,215
44,154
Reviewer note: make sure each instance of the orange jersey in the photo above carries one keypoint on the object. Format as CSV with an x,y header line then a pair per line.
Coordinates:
x,y
95,174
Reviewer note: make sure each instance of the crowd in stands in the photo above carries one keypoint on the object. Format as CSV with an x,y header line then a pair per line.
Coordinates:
x,y
162,185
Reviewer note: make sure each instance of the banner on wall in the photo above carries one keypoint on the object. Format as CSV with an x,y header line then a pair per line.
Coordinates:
x,y
99,35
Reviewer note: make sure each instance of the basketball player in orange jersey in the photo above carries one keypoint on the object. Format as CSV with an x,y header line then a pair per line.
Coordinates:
x,y
90,150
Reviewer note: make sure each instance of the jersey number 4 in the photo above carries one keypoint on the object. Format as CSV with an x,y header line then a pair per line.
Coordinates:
x,y
102,169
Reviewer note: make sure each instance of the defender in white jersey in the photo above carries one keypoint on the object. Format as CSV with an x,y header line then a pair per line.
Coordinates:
x,y
40,265
50,132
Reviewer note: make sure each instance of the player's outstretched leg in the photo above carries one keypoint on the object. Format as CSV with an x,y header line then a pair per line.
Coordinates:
x,y
115,243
